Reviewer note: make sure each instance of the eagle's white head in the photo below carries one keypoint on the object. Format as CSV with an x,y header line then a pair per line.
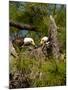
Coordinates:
x,y
44,40
29,41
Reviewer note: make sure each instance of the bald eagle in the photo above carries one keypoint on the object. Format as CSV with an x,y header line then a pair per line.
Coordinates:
x,y
20,42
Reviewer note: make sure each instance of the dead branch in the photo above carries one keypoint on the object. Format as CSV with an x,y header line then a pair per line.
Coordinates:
x,y
22,26
53,38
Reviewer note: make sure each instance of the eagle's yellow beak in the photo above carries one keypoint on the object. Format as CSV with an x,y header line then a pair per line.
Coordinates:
x,y
41,42
33,43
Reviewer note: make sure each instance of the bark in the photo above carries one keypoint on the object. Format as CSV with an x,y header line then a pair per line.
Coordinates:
x,y
12,50
53,38
22,26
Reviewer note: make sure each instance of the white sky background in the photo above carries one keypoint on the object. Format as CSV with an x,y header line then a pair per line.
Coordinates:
x,y
4,43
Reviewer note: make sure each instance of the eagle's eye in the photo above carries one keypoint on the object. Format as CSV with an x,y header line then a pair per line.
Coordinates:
x,y
43,40
31,41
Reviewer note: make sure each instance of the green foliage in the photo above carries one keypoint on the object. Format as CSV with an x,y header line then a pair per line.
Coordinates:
x,y
41,73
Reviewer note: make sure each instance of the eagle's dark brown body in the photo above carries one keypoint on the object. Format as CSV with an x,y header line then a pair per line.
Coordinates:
x,y
18,42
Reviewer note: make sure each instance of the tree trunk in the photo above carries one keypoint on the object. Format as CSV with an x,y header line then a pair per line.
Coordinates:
x,y
53,38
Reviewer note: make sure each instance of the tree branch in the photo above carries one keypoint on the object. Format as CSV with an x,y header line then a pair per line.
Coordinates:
x,y
22,26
